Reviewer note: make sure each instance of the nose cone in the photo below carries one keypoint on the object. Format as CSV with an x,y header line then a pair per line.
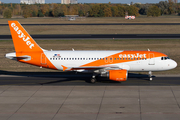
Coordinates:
x,y
173,64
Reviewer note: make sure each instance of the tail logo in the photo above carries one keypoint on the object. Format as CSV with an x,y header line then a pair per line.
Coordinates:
x,y
21,35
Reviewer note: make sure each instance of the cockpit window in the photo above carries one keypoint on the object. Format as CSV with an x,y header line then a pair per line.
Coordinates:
x,y
164,58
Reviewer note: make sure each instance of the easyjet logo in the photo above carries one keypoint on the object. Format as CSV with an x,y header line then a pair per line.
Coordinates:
x,y
22,36
137,55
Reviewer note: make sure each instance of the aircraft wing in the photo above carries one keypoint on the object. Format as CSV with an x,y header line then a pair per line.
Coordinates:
x,y
93,68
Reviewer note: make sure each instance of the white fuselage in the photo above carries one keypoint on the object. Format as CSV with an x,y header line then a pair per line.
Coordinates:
x,y
80,58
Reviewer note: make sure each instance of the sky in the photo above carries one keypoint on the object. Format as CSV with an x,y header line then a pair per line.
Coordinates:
x,y
92,1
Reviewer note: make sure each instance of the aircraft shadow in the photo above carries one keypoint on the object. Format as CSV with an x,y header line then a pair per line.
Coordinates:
x,y
67,76
73,78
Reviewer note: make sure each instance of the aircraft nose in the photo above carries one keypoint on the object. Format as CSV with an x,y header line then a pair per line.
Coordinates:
x,y
173,64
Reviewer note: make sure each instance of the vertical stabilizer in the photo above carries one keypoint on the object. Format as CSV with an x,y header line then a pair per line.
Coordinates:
x,y
23,42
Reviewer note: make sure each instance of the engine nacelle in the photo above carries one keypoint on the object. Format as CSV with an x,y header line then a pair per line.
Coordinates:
x,y
118,75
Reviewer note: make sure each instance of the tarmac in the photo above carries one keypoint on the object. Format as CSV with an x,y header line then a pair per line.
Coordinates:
x,y
136,99
89,102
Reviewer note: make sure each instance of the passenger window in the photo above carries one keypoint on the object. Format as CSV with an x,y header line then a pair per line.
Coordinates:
x,y
72,58
162,58
94,58
61,58
50,58
53,58
69,58
131,58
64,58
117,58
81,58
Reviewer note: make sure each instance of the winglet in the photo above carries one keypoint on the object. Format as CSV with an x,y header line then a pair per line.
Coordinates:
x,y
64,67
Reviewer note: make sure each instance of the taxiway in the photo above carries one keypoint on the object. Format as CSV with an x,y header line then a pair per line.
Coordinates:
x,y
55,96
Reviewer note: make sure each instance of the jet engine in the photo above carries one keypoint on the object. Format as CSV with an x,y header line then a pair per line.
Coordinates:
x,y
118,75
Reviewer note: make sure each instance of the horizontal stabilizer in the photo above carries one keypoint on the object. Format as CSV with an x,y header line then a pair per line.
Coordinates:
x,y
13,56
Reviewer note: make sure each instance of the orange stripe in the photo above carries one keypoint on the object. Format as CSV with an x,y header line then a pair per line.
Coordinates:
x,y
138,54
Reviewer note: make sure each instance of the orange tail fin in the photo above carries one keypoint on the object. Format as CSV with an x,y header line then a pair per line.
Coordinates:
x,y
23,42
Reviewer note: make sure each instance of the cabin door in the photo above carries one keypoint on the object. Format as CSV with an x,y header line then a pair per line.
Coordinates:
x,y
43,59
151,60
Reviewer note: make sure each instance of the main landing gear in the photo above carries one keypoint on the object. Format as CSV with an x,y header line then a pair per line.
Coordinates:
x,y
93,79
150,76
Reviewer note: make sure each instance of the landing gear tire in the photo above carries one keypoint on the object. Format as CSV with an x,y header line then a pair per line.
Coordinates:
x,y
150,76
93,80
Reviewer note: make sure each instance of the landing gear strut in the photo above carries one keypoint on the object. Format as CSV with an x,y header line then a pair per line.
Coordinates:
x,y
150,76
93,79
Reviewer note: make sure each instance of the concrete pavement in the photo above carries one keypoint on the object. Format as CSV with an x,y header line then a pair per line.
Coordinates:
x,y
89,102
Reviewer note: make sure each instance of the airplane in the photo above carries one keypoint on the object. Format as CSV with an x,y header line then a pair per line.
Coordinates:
x,y
114,65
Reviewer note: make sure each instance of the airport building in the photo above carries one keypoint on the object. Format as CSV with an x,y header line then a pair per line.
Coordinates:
x,y
65,1
32,1
175,1
69,2
73,1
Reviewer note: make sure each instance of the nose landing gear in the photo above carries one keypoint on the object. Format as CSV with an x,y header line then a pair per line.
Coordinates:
x,y
150,76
